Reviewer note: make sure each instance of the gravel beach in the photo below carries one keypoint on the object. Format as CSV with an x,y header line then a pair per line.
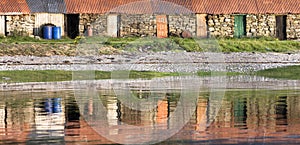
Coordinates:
x,y
162,61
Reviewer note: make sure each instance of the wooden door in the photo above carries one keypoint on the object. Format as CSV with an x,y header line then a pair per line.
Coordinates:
x,y
201,25
239,25
162,26
281,27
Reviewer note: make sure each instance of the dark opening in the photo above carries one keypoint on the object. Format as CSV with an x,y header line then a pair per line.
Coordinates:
x,y
281,114
5,26
72,116
281,27
240,112
72,25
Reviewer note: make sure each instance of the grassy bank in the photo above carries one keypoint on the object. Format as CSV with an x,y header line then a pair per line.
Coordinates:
x,y
288,72
58,75
263,44
39,47
27,39
258,45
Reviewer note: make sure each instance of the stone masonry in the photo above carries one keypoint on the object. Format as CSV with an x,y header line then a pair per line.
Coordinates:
x,y
260,25
96,21
20,24
293,26
138,25
220,25
179,23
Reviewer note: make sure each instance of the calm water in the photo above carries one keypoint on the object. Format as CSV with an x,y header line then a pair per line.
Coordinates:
x,y
245,117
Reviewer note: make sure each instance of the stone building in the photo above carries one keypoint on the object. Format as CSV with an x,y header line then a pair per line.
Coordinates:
x,y
161,18
237,18
15,17
47,12
273,18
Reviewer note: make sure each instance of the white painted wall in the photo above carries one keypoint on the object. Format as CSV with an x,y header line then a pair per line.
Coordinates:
x,y
112,25
2,25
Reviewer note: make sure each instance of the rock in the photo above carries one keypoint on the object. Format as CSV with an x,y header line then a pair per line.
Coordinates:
x,y
186,34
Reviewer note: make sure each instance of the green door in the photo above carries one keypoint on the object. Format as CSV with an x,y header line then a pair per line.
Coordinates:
x,y
239,25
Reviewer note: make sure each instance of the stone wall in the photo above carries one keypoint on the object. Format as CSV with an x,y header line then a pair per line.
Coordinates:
x,y
179,23
145,25
260,25
20,24
220,25
137,25
97,21
256,25
293,26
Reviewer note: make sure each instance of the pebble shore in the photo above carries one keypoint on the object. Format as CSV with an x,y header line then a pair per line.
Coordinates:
x,y
162,61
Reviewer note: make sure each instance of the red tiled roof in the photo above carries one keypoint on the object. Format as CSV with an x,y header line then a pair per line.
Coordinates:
x,y
151,7
93,6
219,6
138,7
14,7
291,6
270,6
225,7
247,6
197,6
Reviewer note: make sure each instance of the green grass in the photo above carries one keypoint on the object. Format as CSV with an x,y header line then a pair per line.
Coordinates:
x,y
17,45
133,44
258,45
262,44
36,76
58,75
202,73
288,72
27,39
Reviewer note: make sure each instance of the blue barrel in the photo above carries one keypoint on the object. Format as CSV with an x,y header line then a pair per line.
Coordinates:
x,y
56,105
56,32
47,32
48,106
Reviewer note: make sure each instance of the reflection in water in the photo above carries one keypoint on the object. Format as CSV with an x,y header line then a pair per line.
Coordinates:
x,y
245,117
49,120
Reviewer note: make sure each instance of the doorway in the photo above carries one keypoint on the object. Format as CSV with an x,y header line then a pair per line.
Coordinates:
x,y
239,26
72,25
281,27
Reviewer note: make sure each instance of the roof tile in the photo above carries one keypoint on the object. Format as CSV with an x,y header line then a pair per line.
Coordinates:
x,y
270,6
13,7
152,7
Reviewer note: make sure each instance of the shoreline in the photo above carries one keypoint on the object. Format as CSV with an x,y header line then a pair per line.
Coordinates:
x,y
162,62
240,82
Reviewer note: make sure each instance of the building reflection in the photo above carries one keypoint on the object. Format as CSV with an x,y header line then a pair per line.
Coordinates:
x,y
250,118
15,120
49,121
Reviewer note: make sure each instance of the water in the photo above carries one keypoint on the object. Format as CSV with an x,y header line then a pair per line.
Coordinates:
x,y
245,116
